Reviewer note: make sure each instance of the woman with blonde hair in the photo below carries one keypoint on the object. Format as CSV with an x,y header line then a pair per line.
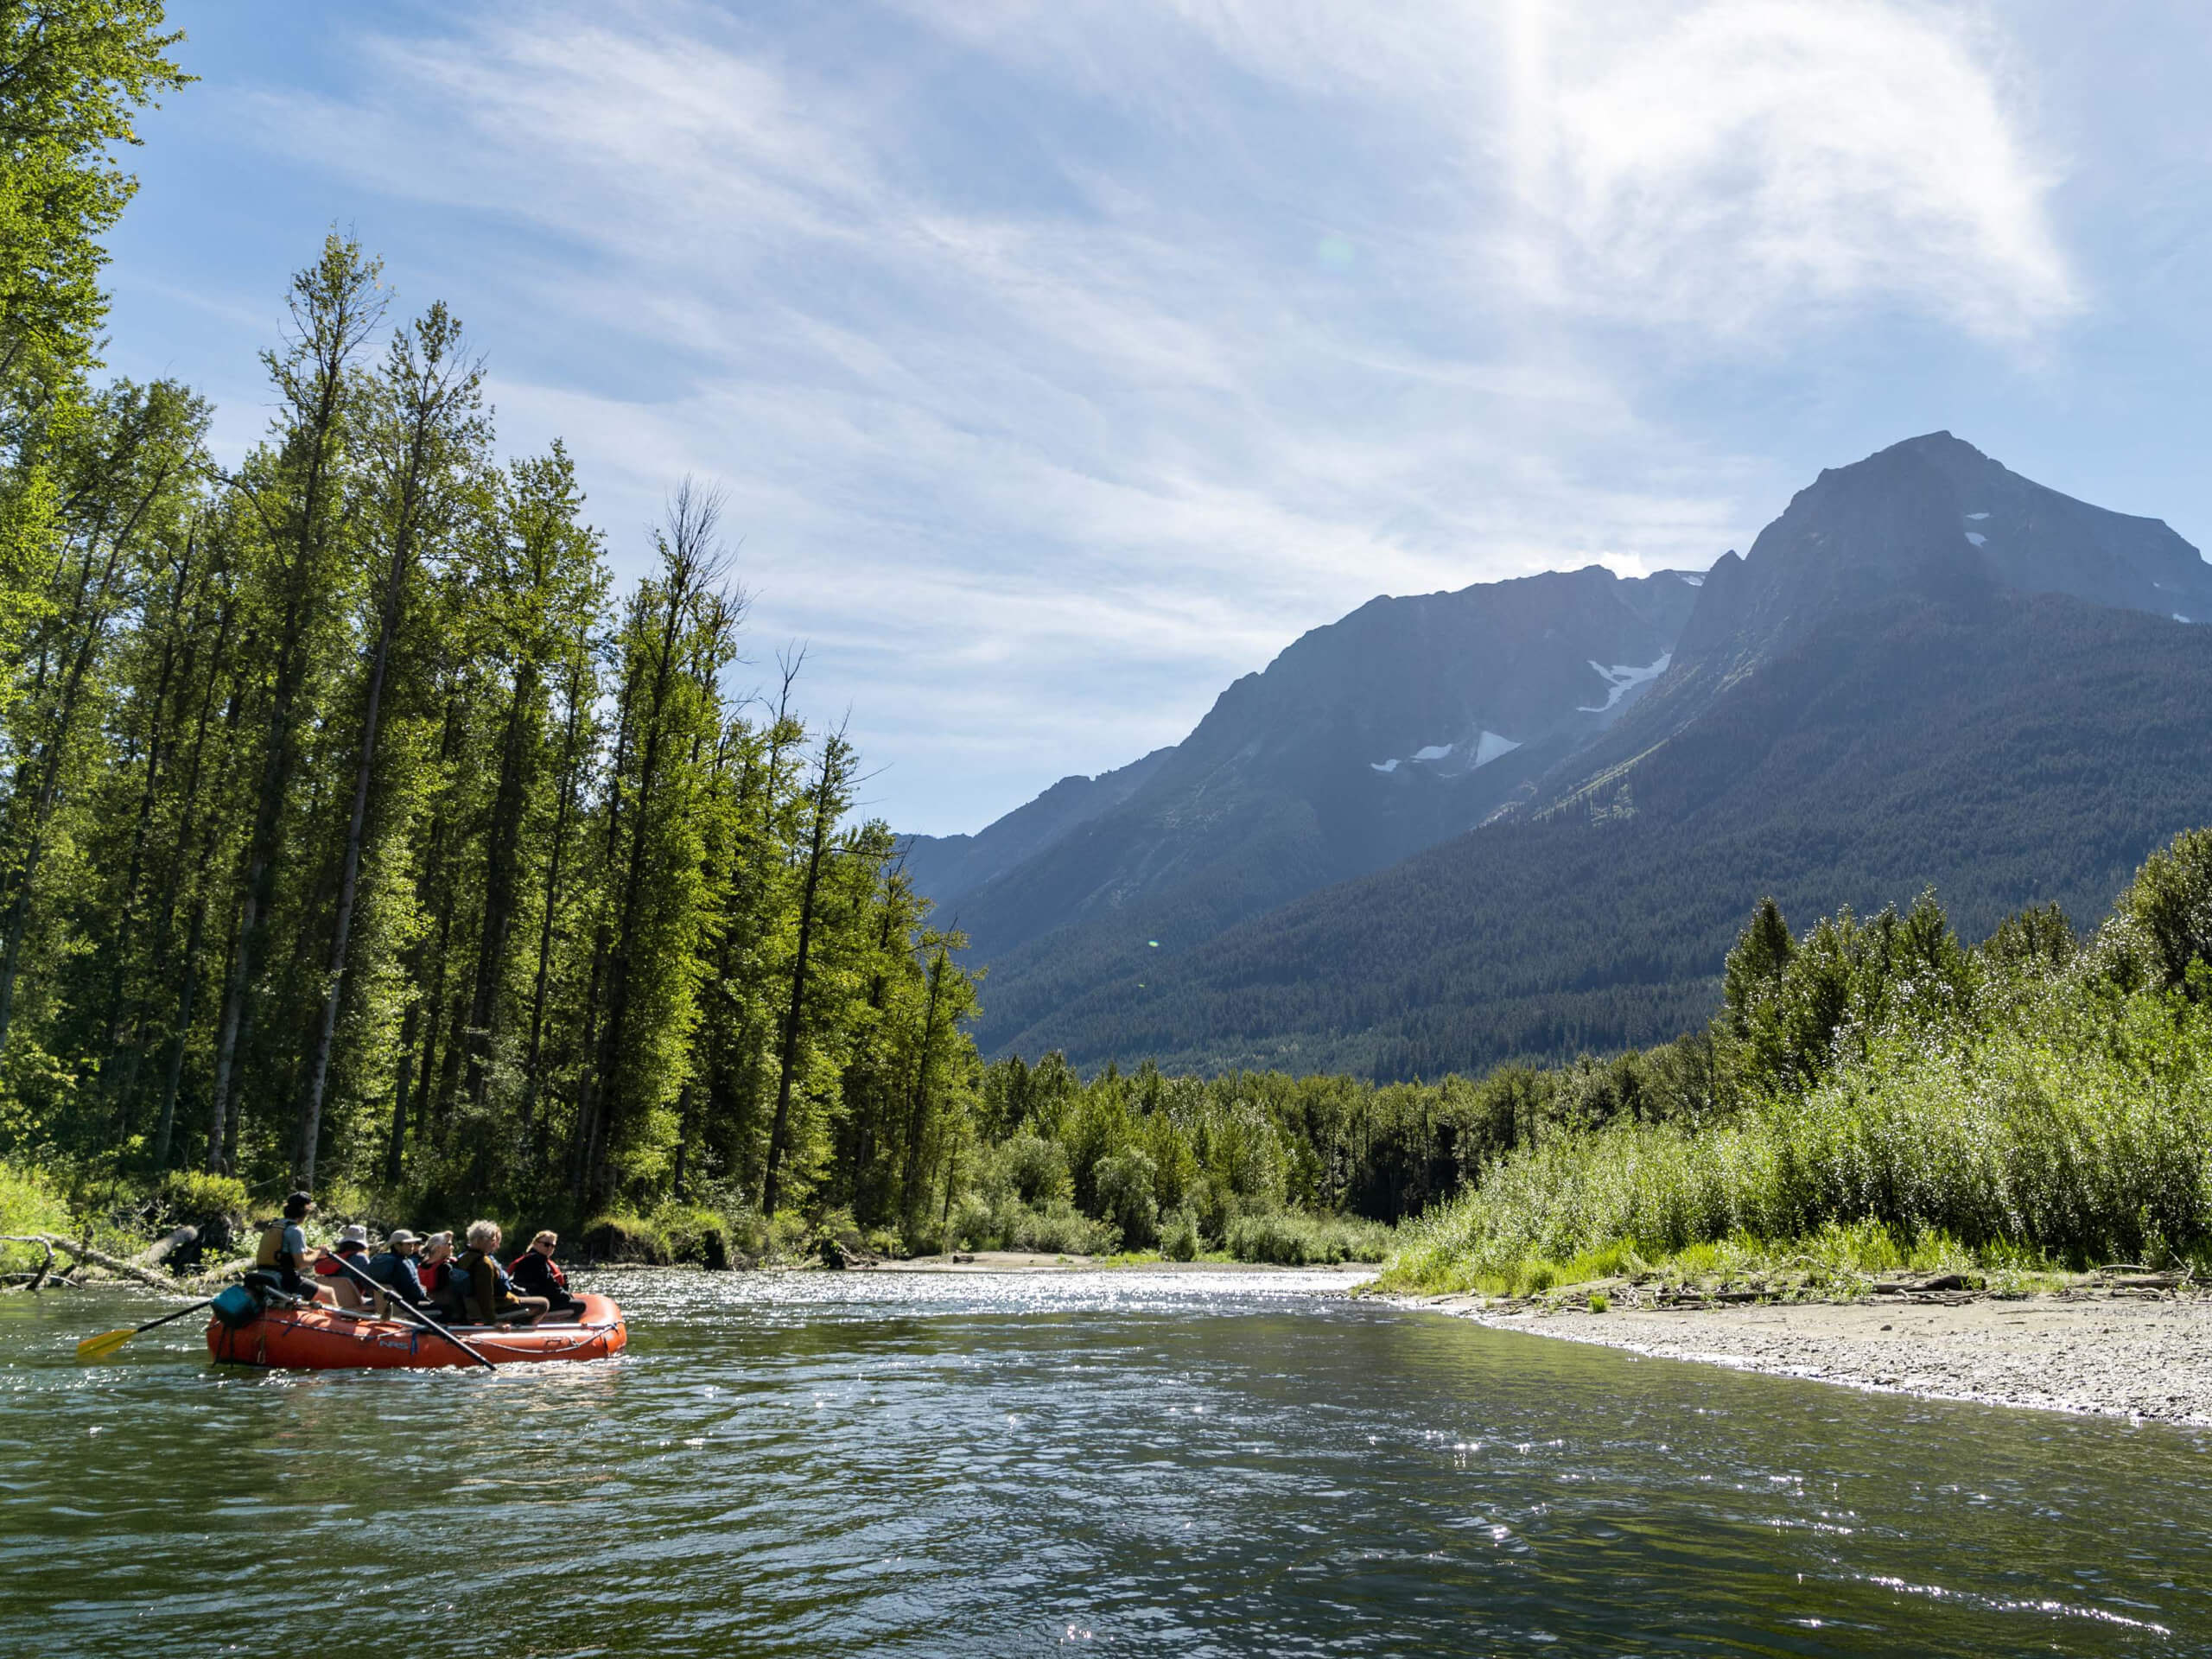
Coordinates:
x,y
487,1296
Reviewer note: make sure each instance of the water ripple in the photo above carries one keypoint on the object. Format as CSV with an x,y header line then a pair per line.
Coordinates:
x,y
1208,1463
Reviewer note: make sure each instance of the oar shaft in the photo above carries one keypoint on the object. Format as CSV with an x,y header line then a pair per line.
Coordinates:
x,y
178,1315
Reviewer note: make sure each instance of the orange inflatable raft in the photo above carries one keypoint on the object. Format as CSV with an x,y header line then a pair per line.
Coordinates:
x,y
323,1338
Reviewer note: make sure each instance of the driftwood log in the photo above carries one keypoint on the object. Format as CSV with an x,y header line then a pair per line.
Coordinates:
x,y
86,1256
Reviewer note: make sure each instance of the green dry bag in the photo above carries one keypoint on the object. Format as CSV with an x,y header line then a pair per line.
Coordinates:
x,y
236,1305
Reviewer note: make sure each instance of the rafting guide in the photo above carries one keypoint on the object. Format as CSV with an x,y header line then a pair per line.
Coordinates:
x,y
277,1263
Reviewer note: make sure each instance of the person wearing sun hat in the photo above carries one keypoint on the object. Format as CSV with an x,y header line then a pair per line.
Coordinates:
x,y
394,1267
353,1246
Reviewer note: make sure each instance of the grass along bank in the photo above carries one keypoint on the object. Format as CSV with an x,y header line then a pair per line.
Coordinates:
x,y
1886,1100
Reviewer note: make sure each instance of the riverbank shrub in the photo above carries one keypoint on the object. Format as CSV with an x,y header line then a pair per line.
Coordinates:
x,y
1180,1239
1061,1230
191,1196
2076,1131
1125,1198
629,1240
1287,1239
708,1237
29,1203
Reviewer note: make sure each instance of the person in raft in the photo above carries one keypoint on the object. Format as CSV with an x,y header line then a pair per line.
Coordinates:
x,y
283,1250
345,1289
436,1268
487,1296
394,1267
536,1273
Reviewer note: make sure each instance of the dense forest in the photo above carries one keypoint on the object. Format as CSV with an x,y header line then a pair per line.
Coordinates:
x,y
357,827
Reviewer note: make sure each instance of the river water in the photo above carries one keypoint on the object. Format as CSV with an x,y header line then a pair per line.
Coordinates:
x,y
1187,1462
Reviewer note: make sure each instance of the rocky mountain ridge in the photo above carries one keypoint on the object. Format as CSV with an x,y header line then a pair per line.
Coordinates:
x,y
1572,698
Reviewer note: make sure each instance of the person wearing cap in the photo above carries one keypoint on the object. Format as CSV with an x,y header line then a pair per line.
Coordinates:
x,y
536,1273
394,1267
353,1246
282,1251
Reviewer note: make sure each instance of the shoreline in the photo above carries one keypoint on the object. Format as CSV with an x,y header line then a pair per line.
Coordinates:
x,y
2135,1356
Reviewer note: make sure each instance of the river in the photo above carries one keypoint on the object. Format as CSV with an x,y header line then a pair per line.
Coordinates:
x,y
1145,1462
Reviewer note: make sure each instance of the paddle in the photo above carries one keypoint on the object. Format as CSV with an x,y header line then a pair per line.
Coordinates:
x,y
107,1342
411,1311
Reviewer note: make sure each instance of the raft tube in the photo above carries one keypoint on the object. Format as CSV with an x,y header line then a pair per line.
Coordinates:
x,y
321,1338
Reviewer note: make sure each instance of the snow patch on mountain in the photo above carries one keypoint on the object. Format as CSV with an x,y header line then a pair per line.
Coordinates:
x,y
1623,678
1694,582
1488,745
1977,538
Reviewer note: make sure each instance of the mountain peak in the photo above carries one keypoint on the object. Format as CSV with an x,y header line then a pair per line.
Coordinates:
x,y
1934,516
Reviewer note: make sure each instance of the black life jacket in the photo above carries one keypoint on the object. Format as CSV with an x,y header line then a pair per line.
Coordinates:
x,y
552,1267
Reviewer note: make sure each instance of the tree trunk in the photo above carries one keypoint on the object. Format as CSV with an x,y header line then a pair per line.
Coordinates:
x,y
917,1108
310,1126
500,838
787,1051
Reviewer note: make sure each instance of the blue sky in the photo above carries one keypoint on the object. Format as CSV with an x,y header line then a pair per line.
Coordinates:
x,y
1062,361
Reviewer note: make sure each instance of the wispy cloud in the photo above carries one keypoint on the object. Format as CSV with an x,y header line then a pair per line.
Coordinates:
x,y
1063,360
1726,165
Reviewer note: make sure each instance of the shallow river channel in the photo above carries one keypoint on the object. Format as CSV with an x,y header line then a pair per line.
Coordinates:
x,y
1186,1463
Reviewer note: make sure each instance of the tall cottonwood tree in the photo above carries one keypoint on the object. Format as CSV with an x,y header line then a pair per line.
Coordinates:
x,y
353,825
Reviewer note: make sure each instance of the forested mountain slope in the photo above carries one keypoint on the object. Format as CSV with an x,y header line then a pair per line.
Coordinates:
x,y
1407,722
1809,735
1387,733
2018,750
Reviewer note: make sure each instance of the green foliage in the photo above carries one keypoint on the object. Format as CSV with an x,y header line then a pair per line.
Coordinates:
x,y
1037,1169
192,1195
1899,1097
74,74
2171,901
1123,1186
29,1203
705,1238
1290,1240
1180,1238
625,1238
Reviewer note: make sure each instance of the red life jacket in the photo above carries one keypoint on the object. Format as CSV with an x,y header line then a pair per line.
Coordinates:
x,y
433,1276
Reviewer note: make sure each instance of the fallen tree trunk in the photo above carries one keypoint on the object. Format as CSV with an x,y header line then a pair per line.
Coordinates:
x,y
88,1257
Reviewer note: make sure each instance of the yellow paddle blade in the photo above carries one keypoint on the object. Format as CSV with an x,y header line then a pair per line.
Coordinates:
x,y
106,1343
